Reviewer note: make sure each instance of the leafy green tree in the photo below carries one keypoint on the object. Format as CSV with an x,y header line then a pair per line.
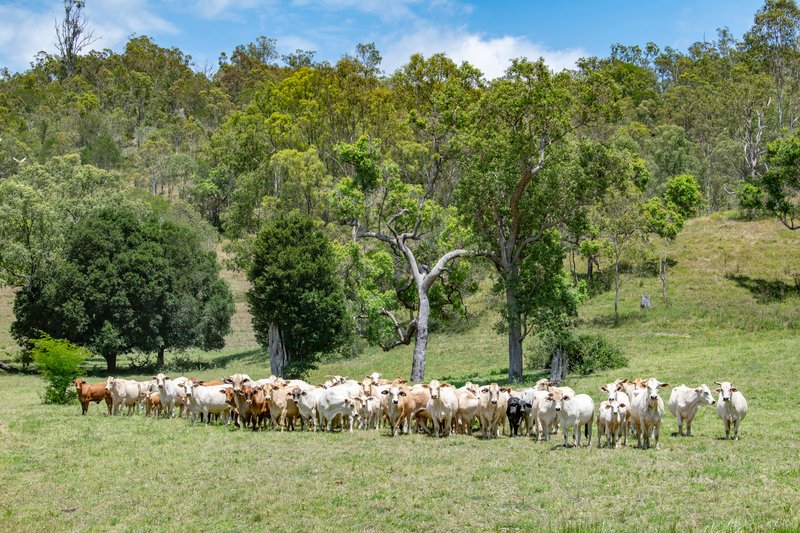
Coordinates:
x,y
39,205
59,362
297,302
774,42
379,206
666,216
510,196
129,280
779,191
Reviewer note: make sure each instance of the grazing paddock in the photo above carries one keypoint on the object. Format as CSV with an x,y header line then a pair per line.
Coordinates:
x,y
63,471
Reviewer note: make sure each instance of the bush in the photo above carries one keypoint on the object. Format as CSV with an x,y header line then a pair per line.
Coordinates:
x,y
59,363
586,353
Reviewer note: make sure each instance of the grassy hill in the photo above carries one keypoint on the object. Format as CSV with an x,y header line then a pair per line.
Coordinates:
x,y
734,314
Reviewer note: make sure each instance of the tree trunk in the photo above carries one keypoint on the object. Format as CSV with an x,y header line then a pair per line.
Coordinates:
x,y
514,337
559,365
664,273
111,362
160,358
421,341
590,268
278,358
616,282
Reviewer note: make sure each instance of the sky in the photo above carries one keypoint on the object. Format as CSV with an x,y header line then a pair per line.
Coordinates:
x,y
486,33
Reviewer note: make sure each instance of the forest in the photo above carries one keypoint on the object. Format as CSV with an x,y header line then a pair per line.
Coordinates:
x,y
365,207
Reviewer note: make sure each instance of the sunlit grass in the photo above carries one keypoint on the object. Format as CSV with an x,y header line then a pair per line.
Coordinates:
x,y
62,471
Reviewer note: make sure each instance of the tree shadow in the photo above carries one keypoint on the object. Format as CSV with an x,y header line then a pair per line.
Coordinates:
x,y
765,291
178,362
497,375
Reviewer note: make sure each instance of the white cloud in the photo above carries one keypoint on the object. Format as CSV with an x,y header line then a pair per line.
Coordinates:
x,y
492,55
26,31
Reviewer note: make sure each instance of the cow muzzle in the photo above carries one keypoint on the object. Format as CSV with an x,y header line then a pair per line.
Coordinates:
x,y
494,401
394,402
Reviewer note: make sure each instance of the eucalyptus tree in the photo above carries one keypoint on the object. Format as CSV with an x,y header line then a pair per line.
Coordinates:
x,y
511,193
379,206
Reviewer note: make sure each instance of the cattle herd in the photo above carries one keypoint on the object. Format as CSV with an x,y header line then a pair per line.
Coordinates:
x,y
435,408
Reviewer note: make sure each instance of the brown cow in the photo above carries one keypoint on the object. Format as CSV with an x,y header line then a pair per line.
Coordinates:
x,y
400,407
153,403
281,406
92,392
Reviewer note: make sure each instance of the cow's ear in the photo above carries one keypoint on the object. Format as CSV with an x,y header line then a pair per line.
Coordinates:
x,y
223,391
624,381
608,406
603,388
83,382
734,389
167,377
445,384
663,384
384,391
402,394
425,385
699,389
154,377
717,383
528,405
622,405
370,398
643,385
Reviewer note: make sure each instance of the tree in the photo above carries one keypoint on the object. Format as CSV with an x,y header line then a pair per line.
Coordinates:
x,y
72,35
296,301
40,203
381,207
666,216
129,280
510,195
779,190
774,41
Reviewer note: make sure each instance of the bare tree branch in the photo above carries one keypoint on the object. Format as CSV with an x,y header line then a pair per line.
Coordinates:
x,y
405,333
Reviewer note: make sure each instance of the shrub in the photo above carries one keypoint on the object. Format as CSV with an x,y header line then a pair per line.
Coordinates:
x,y
586,353
59,363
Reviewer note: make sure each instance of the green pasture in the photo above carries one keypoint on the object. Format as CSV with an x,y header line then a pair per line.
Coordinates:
x,y
734,315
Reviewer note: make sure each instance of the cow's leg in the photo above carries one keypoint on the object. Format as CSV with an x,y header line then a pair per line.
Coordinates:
x,y
736,429
727,428
688,427
656,432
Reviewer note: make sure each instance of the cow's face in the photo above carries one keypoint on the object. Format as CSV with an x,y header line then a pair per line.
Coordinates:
x,y
434,387
557,396
78,383
492,393
395,392
471,387
653,385
110,383
705,394
188,388
161,380
615,407
611,389
268,390
726,390
295,395
238,381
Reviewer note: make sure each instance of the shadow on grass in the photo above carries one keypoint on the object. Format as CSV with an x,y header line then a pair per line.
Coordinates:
x,y
624,318
96,366
497,375
765,291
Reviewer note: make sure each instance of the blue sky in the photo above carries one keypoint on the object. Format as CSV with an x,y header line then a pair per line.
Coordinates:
x,y
485,33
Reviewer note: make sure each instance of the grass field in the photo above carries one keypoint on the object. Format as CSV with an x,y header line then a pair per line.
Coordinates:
x,y
735,315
